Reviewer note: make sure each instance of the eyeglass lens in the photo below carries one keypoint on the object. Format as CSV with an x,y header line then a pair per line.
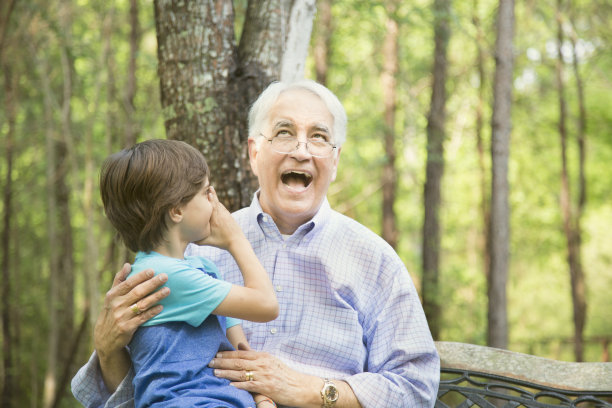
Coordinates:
x,y
290,144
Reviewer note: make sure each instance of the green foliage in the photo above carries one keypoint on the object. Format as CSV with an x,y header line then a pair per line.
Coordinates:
x,y
540,311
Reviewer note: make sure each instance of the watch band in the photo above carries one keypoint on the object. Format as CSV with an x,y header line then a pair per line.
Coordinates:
x,y
329,394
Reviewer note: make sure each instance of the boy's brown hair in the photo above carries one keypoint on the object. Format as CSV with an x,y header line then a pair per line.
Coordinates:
x,y
141,184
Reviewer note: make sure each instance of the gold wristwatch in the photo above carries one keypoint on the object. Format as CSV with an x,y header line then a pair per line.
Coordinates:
x,y
329,394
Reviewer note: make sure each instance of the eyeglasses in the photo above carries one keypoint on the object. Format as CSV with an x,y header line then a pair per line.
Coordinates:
x,y
288,144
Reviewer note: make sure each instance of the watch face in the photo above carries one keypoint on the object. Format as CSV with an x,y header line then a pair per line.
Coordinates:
x,y
331,393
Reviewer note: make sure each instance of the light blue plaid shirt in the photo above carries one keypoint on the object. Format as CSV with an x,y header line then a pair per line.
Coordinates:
x,y
348,311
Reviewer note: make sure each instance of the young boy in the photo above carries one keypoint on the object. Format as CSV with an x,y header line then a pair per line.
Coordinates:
x,y
158,197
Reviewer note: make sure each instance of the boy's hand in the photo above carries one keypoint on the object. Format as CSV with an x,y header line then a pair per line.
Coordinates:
x,y
223,228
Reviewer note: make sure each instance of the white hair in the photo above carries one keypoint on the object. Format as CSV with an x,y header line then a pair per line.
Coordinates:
x,y
261,107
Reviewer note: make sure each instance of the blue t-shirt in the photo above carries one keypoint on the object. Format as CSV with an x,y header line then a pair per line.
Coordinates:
x,y
193,294
170,353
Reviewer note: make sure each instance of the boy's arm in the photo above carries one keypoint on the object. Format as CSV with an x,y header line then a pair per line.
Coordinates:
x,y
256,300
236,336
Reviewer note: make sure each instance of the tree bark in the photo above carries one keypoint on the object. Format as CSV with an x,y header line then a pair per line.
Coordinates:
x,y
497,335
435,168
322,41
207,83
388,80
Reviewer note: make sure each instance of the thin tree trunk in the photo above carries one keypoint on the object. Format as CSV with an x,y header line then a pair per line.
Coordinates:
x,y
92,278
322,43
131,127
298,38
6,9
388,79
65,151
480,145
435,168
497,335
7,336
62,278
571,216
52,234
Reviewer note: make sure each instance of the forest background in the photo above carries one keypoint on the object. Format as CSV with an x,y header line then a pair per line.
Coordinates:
x,y
80,81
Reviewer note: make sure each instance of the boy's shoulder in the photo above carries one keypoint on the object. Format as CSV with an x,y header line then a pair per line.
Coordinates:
x,y
152,260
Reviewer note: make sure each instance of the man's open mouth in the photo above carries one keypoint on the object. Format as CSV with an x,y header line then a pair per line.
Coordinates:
x,y
296,180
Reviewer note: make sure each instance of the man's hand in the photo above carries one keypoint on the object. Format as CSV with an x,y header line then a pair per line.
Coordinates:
x,y
127,305
271,377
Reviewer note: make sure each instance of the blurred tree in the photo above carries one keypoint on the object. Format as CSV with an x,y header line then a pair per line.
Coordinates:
x,y
436,134
501,124
61,156
571,213
389,93
5,251
480,143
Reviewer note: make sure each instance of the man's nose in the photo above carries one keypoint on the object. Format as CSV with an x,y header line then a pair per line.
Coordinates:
x,y
301,152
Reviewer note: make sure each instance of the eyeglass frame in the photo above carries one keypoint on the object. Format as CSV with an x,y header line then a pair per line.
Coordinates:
x,y
333,146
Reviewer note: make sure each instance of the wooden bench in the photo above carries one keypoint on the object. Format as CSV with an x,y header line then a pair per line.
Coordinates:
x,y
478,376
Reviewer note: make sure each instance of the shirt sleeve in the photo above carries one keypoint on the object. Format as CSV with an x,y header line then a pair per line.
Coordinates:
x,y
211,267
88,388
403,366
193,294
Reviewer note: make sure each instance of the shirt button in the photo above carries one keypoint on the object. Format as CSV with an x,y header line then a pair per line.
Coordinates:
x,y
279,288
264,218
273,330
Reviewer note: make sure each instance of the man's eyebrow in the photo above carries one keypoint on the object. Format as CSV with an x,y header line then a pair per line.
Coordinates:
x,y
321,128
283,124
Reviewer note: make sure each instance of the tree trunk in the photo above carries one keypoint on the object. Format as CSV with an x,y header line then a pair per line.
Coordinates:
x,y
579,281
6,10
90,209
131,127
52,234
480,145
388,79
571,216
62,274
322,43
7,336
435,168
208,84
497,335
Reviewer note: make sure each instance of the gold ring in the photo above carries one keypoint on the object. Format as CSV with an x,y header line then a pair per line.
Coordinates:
x,y
250,376
135,309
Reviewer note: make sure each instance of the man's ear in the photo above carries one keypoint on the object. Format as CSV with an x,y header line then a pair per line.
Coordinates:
x,y
176,214
253,152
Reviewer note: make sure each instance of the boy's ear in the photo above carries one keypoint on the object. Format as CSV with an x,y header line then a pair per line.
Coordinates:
x,y
176,214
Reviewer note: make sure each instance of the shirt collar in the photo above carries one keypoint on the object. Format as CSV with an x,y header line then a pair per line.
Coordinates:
x,y
266,222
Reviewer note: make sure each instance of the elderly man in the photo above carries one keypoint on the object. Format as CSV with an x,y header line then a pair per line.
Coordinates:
x,y
351,330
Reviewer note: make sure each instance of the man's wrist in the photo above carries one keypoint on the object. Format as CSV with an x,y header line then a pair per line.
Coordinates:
x,y
329,394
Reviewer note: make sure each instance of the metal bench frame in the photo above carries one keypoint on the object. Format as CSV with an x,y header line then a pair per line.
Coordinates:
x,y
478,376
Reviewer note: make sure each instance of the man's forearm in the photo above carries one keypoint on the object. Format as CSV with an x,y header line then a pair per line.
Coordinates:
x,y
114,368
